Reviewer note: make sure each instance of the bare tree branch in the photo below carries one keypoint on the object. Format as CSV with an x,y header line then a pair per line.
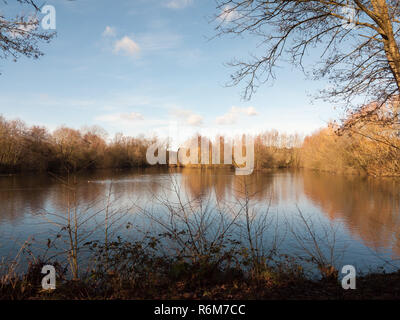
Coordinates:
x,y
359,53
20,35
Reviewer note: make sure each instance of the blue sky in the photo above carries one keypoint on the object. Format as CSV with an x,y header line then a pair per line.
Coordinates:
x,y
149,66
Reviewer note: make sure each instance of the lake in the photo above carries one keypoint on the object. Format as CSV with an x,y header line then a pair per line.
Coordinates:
x,y
354,220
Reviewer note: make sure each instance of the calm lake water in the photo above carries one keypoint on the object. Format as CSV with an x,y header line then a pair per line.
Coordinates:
x,y
358,218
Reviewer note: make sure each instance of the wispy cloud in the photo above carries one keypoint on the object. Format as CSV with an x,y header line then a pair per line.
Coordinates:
x,y
126,46
144,42
189,117
232,116
109,32
178,4
158,41
117,118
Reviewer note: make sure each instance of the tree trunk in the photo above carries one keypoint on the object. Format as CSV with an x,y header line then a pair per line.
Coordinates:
x,y
390,45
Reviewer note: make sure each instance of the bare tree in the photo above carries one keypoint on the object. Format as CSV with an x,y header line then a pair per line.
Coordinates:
x,y
358,43
20,35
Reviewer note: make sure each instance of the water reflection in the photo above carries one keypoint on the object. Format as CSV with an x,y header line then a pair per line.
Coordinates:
x,y
369,208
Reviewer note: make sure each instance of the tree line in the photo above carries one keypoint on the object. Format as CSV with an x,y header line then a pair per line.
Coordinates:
x,y
369,147
366,143
24,148
35,148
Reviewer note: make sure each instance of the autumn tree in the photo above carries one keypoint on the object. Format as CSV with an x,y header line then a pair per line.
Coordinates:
x,y
11,146
357,40
95,146
38,151
69,148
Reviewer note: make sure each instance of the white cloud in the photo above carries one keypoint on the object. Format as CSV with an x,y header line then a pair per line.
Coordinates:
x,y
133,116
250,111
159,41
178,4
109,32
141,43
118,118
232,116
126,46
226,119
194,120
189,117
